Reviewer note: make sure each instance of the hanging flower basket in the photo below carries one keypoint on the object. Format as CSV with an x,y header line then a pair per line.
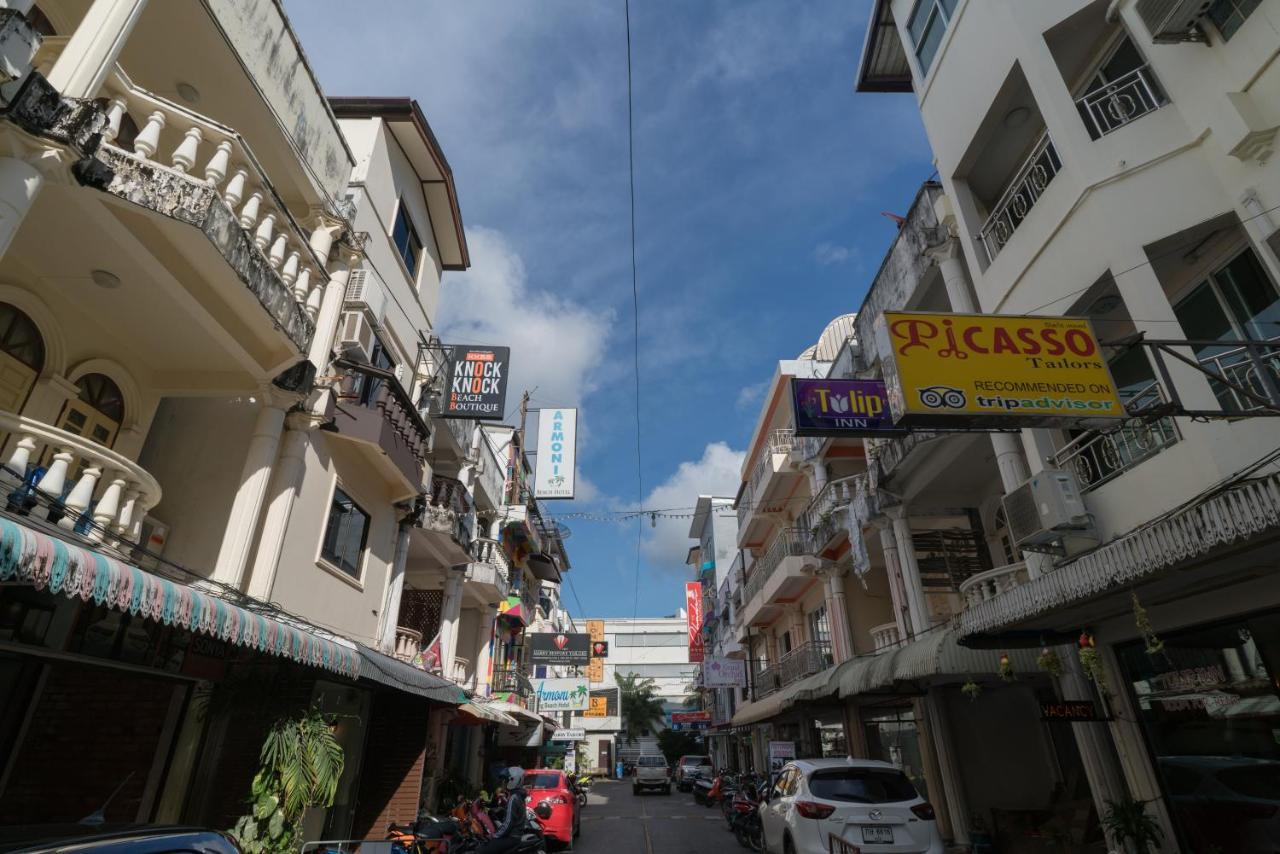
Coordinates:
x,y
1049,662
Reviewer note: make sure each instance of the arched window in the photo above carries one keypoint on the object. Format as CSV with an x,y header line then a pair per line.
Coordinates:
x,y
97,412
21,356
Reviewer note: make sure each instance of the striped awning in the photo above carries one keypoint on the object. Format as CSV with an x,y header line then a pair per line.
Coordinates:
x,y
49,563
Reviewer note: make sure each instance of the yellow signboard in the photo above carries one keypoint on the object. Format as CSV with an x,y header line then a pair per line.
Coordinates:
x,y
595,670
993,370
599,708
595,628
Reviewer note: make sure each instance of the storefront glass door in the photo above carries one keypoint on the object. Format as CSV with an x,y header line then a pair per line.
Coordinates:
x,y
892,736
1210,711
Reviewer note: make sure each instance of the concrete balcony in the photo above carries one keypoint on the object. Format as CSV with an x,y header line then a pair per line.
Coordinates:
x,y
488,579
779,576
512,681
448,522
827,519
372,409
990,584
803,661
76,484
408,643
884,636
761,496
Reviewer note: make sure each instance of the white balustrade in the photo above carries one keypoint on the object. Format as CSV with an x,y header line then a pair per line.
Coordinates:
x,y
76,471
884,636
982,586
408,642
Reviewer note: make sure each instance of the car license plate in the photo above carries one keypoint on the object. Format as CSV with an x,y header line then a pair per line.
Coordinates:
x,y
878,835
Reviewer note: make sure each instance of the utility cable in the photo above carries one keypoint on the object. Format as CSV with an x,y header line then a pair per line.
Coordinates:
x,y
635,303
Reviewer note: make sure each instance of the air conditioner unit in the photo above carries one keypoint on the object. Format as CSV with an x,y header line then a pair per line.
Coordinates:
x,y
356,336
1045,508
365,291
1174,21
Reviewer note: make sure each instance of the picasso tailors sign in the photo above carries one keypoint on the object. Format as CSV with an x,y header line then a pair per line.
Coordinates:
x,y
840,408
557,453
561,695
991,370
559,648
477,383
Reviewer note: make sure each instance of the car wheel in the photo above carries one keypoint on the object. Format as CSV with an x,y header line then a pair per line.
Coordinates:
x,y
788,847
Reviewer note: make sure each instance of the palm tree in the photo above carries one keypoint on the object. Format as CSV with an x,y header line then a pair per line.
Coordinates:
x,y
641,707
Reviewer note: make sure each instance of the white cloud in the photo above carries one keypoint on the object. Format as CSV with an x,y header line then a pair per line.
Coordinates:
x,y
750,395
828,254
717,473
557,345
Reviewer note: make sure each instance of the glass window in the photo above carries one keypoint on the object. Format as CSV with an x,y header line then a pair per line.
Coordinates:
x,y
406,239
1252,299
819,629
862,785
1229,15
544,780
20,338
1209,707
346,534
926,26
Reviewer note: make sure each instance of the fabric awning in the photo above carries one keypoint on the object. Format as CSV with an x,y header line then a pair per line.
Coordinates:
x,y
395,673
514,711
485,713
936,654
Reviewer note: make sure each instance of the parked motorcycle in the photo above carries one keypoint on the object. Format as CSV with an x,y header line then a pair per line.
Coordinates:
x,y
745,820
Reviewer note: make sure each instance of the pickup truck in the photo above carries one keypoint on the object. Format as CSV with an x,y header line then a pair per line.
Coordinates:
x,y
651,773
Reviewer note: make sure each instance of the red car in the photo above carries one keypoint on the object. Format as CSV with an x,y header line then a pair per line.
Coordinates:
x,y
552,786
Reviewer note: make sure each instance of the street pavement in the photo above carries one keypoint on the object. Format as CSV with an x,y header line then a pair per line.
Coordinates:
x,y
618,822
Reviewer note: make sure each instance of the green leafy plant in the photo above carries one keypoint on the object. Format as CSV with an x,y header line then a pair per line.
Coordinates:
x,y
1127,821
1154,645
642,709
301,764
1005,670
1091,661
1049,662
676,744
972,690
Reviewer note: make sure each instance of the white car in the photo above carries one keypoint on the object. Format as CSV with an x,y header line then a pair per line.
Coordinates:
x,y
867,806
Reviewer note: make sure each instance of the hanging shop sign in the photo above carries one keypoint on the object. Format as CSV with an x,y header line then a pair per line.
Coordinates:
x,y
561,695
553,471
1072,711
595,670
570,734
841,408
690,717
599,649
693,606
559,648
527,734
981,370
724,673
477,383
780,753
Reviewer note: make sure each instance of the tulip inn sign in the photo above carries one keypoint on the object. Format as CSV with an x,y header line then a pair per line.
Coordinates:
x,y
841,408
981,370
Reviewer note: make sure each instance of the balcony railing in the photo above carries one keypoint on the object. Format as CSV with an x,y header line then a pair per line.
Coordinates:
x,y
75,483
822,517
1254,367
1029,182
512,681
890,453
449,510
408,642
1127,98
805,660
767,681
1098,457
373,407
884,636
947,557
987,585
790,542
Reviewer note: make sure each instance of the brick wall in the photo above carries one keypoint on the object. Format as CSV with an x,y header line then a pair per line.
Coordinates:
x,y
92,727
394,759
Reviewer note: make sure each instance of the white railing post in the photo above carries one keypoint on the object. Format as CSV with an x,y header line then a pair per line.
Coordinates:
x,y
235,192
184,156
148,139
216,169
81,494
104,514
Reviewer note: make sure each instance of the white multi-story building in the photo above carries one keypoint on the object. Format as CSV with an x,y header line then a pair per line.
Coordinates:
x,y
716,564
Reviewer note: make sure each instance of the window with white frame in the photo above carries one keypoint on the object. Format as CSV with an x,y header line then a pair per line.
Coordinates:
x,y
345,534
1228,15
926,26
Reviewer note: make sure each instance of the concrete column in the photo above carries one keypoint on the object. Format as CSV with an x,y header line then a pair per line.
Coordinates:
x,y
838,617
484,659
233,555
1260,226
94,47
335,291
893,568
952,782
1106,780
450,611
917,606
390,618
819,476
20,183
955,277
286,482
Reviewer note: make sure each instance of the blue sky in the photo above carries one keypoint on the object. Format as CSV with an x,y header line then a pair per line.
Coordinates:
x,y
760,178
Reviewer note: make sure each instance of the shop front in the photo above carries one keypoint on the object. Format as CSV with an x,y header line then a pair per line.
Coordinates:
x,y
1208,707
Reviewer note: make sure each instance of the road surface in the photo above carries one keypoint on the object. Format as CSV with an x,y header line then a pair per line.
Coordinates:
x,y
618,822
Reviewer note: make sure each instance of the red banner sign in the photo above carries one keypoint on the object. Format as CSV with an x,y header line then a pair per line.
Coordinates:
x,y
690,717
693,605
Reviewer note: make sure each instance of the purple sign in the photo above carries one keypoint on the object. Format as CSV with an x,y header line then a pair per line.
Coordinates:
x,y
841,408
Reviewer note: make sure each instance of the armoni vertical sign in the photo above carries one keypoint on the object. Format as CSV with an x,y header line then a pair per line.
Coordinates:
x,y
557,453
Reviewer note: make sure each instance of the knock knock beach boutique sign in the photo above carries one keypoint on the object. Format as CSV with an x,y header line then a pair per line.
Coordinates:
x,y
841,408
561,695
981,370
559,648
557,453
477,383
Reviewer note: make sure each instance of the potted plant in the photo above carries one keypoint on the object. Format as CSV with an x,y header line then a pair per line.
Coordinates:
x,y
1127,821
